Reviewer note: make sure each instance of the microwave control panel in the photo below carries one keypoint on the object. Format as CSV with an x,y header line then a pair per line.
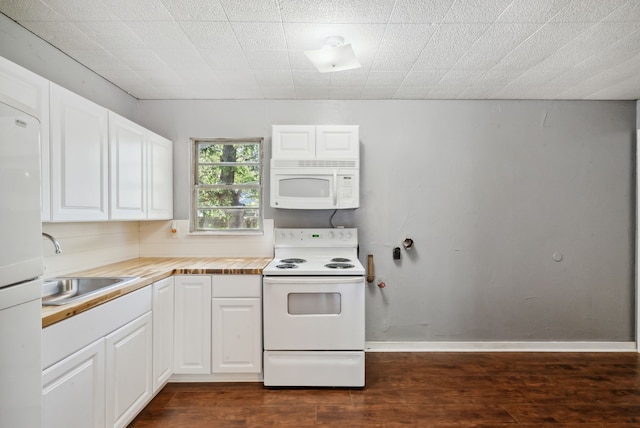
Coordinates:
x,y
347,191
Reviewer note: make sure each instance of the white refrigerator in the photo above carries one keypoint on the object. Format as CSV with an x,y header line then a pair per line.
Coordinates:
x,y
20,270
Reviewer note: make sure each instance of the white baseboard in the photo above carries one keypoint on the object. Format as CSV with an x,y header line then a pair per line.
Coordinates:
x,y
378,346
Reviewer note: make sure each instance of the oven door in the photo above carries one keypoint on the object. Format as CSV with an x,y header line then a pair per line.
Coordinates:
x,y
313,313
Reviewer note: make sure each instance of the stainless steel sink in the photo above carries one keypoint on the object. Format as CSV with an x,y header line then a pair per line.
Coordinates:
x,y
60,291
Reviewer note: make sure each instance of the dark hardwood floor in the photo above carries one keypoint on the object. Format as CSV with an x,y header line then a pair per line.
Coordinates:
x,y
425,390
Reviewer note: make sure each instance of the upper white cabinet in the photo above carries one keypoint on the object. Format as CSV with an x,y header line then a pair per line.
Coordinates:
x,y
79,158
28,92
301,142
159,177
127,152
141,172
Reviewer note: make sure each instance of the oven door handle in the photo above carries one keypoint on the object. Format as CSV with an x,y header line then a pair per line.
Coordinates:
x,y
314,280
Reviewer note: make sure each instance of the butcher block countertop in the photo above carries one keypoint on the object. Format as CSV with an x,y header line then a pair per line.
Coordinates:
x,y
150,270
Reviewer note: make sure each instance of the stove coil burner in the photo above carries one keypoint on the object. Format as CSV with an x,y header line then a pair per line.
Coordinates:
x,y
339,266
287,266
340,260
289,261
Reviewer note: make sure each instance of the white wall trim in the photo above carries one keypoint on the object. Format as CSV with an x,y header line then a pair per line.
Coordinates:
x,y
373,346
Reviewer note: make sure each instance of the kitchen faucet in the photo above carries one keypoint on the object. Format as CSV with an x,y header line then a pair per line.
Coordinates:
x,y
55,242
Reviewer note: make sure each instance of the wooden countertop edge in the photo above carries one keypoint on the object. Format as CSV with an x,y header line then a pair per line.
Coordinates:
x,y
181,266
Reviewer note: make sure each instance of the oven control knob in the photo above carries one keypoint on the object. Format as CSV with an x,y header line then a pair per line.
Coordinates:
x,y
331,235
348,235
339,235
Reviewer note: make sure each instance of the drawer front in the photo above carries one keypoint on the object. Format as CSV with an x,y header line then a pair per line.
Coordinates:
x,y
236,285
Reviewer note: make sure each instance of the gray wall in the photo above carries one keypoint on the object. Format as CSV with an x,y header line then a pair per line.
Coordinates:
x,y
489,191
31,52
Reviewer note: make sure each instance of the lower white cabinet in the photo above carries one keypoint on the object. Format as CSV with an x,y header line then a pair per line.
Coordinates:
x,y
128,370
192,347
73,389
163,314
236,324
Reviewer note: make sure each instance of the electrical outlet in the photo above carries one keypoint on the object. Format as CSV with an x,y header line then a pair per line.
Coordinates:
x,y
396,253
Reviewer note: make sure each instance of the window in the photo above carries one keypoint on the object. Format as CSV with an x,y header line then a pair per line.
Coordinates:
x,y
227,185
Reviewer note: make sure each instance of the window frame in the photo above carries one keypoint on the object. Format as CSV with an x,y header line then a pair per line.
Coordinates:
x,y
195,186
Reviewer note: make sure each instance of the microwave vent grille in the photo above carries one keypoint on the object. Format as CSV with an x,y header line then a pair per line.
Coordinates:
x,y
314,163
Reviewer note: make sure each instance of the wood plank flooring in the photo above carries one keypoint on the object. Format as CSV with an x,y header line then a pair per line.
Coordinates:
x,y
426,390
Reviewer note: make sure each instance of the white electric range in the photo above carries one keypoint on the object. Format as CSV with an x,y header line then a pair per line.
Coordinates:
x,y
313,309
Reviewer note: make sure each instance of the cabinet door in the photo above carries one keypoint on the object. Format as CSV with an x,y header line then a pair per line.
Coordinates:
x,y
79,162
163,300
159,177
293,142
236,336
73,390
337,142
28,92
192,324
128,371
127,157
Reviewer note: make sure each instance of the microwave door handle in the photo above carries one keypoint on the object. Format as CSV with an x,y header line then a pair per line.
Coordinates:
x,y
335,188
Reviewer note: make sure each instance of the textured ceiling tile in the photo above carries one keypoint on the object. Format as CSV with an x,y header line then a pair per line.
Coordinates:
x,y
378,93
311,78
531,11
354,78
625,90
81,10
407,36
268,60
345,93
274,77
444,93
477,93
197,76
234,78
312,93
124,78
394,61
308,11
97,59
139,59
494,44
460,77
161,35
474,11
139,10
409,11
587,10
423,78
63,35
449,44
178,59
411,92
630,11
254,10
362,37
299,61
195,10
210,35
259,35
161,77
363,11
111,34
223,59
278,92
385,78
29,10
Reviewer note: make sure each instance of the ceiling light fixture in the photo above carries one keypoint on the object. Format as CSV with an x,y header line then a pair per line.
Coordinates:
x,y
333,56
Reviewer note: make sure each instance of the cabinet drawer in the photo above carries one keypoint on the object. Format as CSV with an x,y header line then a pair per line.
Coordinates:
x,y
236,285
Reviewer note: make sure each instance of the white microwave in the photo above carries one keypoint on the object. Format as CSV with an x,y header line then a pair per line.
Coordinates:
x,y
315,184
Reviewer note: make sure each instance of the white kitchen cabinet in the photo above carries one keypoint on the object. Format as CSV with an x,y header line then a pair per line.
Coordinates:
x,y
163,311
192,327
141,172
293,142
337,142
236,324
299,142
159,177
127,155
28,92
79,158
128,371
73,390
